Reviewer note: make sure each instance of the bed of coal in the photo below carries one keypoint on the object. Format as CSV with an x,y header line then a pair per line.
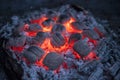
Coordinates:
x,y
62,43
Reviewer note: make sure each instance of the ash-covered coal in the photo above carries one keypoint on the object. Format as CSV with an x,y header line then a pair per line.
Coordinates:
x,y
57,40
33,53
53,60
65,43
81,48
58,28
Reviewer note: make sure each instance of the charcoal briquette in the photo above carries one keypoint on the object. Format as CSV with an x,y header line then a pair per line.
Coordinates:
x,y
18,28
58,28
74,37
17,41
34,28
63,18
36,50
39,38
53,60
48,23
33,53
30,56
90,33
81,48
78,26
57,40
51,14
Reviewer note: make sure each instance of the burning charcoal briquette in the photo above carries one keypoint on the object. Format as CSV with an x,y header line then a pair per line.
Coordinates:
x,y
74,37
39,38
78,26
17,41
18,28
51,14
91,34
30,56
34,28
88,67
58,28
48,23
115,68
81,48
63,18
96,75
57,40
33,53
53,60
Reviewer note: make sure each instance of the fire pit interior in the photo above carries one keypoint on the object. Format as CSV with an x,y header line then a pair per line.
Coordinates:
x,y
63,43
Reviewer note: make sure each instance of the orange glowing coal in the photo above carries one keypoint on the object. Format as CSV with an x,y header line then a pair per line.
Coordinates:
x,y
69,28
48,47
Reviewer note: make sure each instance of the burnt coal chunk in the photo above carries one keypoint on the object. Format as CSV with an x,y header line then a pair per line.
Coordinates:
x,y
30,57
58,28
78,26
17,41
48,23
18,28
63,18
36,50
51,14
57,40
33,53
34,28
81,48
91,34
53,60
39,38
75,37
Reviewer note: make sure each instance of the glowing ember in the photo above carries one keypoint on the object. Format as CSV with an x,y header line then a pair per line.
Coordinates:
x,y
62,34
48,47
69,26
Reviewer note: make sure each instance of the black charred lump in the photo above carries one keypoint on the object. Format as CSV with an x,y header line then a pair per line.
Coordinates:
x,y
58,28
74,37
39,38
48,23
81,48
53,60
63,18
17,41
34,28
91,34
33,53
51,14
57,40
78,26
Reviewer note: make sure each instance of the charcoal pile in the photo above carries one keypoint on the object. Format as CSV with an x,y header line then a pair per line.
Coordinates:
x,y
65,43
